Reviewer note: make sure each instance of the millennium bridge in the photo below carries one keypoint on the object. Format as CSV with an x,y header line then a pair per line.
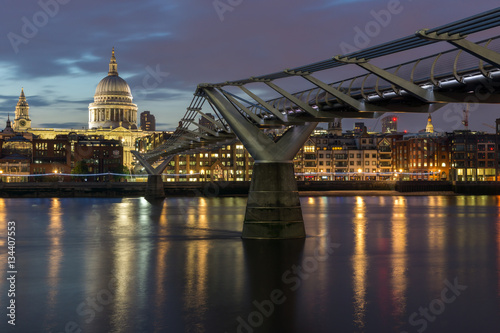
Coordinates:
x,y
469,72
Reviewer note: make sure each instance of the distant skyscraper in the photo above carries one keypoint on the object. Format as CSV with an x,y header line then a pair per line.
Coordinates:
x,y
148,121
390,124
358,127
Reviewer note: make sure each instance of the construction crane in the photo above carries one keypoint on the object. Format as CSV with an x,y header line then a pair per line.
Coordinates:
x,y
465,122
488,125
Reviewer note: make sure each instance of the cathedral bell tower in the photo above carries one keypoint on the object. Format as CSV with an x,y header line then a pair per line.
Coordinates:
x,y
22,120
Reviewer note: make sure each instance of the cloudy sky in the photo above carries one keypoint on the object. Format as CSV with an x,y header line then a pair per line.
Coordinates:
x,y
59,50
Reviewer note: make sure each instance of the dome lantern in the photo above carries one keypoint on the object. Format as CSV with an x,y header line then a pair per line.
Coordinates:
x,y
113,66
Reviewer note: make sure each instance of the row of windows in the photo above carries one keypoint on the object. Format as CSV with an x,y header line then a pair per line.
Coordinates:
x,y
339,156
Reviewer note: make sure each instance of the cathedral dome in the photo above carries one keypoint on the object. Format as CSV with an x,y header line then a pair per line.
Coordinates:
x,y
113,105
113,85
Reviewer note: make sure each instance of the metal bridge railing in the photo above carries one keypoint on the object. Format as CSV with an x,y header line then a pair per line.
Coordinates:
x,y
453,64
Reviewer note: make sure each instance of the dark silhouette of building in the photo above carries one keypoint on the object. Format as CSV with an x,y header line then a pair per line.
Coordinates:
x,y
207,123
358,127
148,121
390,124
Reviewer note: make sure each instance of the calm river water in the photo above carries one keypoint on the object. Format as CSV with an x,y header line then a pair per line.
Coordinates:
x,y
369,264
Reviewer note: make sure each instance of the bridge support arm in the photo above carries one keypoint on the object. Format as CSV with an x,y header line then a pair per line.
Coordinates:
x,y
243,108
304,106
354,103
410,87
149,168
264,104
201,127
273,207
476,50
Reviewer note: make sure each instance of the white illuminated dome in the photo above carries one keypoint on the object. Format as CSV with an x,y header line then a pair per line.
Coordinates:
x,y
113,105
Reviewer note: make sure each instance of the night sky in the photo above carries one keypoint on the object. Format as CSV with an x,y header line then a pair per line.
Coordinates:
x,y
165,48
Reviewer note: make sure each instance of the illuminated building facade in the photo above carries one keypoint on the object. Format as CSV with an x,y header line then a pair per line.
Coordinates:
x,y
423,156
100,156
60,155
15,154
474,156
230,162
331,157
51,156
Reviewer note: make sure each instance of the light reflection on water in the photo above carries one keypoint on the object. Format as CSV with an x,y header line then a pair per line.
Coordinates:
x,y
125,265
55,232
399,260
359,262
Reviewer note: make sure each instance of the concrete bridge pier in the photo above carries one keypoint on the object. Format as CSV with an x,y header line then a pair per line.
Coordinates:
x,y
154,188
273,209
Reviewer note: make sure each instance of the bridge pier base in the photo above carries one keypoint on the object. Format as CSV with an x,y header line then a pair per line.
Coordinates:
x,y
273,207
154,188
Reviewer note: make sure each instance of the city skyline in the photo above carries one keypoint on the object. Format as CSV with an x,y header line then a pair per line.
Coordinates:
x,y
163,57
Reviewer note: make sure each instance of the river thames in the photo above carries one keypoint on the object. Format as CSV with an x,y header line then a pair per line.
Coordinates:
x,y
368,264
